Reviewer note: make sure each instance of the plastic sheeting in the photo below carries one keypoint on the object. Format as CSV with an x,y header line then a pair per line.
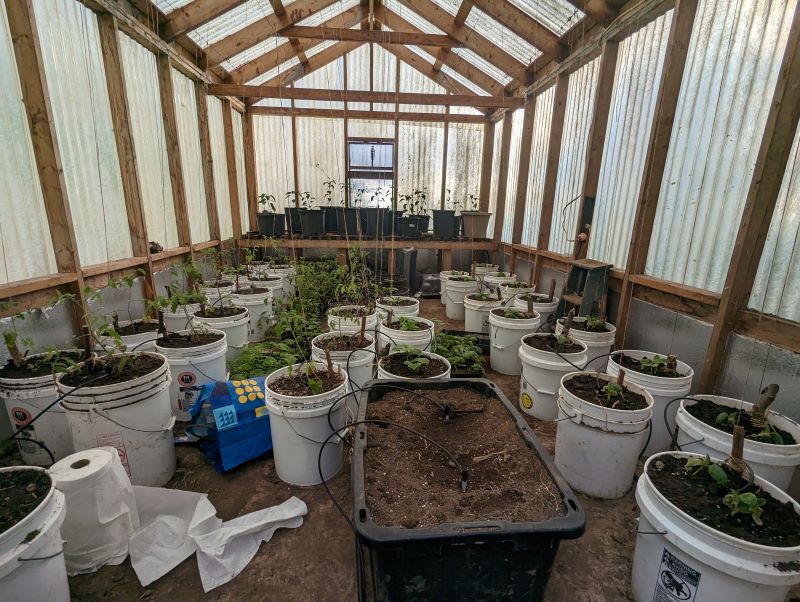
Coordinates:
x,y
633,101
732,66
329,77
464,149
542,119
558,15
26,250
412,80
420,159
185,98
219,166
320,155
274,156
73,65
241,174
232,21
358,74
366,128
147,128
513,172
495,177
572,162
384,75
777,286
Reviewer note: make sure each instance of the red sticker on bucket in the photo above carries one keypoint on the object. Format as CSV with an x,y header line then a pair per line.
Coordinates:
x,y
186,379
21,416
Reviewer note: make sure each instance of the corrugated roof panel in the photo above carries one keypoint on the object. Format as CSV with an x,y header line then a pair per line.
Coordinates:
x,y
241,174
167,6
253,52
464,150
732,66
327,13
412,80
358,77
513,172
482,64
633,101
463,81
412,17
232,21
329,77
557,15
495,176
542,119
275,71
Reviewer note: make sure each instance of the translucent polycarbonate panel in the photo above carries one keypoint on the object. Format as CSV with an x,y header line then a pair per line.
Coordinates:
x,y
384,75
459,110
512,175
26,249
558,15
77,88
191,155
495,176
468,83
329,77
542,119
264,78
481,63
327,13
464,155
777,285
167,6
732,66
253,52
241,174
633,101
140,68
420,159
411,16
272,136
413,81
367,128
320,156
232,21
358,74
219,166
572,162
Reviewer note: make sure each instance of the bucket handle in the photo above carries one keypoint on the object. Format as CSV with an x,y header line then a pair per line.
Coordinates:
x,y
527,382
164,429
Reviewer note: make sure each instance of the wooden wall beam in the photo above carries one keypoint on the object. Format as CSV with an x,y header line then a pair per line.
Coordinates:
x,y
250,169
372,115
340,34
502,180
191,16
208,163
230,160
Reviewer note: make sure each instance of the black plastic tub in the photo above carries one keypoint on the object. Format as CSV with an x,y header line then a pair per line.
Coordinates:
x,y
293,223
347,222
412,226
483,560
312,223
271,224
445,224
376,222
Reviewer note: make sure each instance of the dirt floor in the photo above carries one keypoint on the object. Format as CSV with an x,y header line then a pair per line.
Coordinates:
x,y
316,562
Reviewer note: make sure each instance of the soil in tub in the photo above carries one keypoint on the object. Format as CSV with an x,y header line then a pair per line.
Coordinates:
x,y
707,411
192,339
662,370
303,384
343,342
21,491
396,301
58,361
112,369
251,290
137,327
406,324
550,343
511,313
349,312
213,311
590,388
395,363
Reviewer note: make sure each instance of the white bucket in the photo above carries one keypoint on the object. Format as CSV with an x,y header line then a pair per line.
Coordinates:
x,y
257,268
663,391
774,463
544,308
421,339
597,448
135,417
219,295
542,372
710,565
178,320
485,268
338,323
101,509
300,426
384,374
259,307
397,310
276,287
359,365
235,329
456,291
505,335
33,569
494,280
135,343
509,292
192,367
476,313
443,276
24,399
289,274
597,343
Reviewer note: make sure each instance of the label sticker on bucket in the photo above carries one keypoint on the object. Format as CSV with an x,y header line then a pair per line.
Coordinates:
x,y
677,581
21,416
115,440
526,401
186,379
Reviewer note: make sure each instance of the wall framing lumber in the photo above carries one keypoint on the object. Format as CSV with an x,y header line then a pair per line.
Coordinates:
x,y
250,169
374,115
230,161
191,16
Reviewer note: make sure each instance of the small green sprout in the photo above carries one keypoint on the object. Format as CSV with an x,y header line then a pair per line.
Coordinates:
x,y
730,419
769,435
745,503
594,323
612,391
694,466
653,364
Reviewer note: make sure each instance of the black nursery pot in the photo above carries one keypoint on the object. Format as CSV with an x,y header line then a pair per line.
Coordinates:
x,y
294,224
412,226
330,219
376,222
312,222
271,224
347,221
445,224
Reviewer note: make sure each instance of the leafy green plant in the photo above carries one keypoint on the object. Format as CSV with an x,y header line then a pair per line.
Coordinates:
x,y
416,361
562,341
695,466
730,419
654,364
406,324
613,391
594,323
263,358
514,314
415,203
266,200
462,352
307,200
745,503
769,435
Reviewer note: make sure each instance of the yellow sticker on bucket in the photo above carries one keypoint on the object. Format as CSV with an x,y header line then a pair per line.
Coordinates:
x,y
526,401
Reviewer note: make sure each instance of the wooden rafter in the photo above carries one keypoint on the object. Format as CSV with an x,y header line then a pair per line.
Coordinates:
x,y
370,35
280,11
191,16
524,26
598,11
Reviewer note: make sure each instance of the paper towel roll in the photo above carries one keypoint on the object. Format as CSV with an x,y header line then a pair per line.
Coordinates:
x,y
101,509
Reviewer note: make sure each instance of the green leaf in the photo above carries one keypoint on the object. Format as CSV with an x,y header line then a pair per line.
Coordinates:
x,y
718,474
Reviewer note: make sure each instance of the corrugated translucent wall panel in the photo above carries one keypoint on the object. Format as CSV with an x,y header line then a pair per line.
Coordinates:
x,y
633,101
513,171
370,129
329,77
76,80
464,149
777,286
274,156
147,127
412,80
542,119
191,155
241,174
733,64
493,183
320,154
219,164
420,159
358,76
572,162
558,15
384,75
26,250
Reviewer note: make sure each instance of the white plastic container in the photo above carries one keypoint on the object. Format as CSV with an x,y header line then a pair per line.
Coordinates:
x,y
23,400
235,329
505,335
597,343
359,364
542,372
397,310
663,391
135,417
774,463
421,339
544,308
481,269
443,277
33,568
289,273
192,367
476,313
672,547
596,447
385,374
495,280
509,292
299,427
276,287
456,291
346,324
178,320
220,295
259,308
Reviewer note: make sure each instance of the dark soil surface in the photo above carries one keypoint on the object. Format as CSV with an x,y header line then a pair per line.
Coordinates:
x,y
264,278
549,342
394,363
219,284
223,311
183,341
511,313
342,342
38,367
461,278
581,325
519,285
251,290
396,325
630,363
297,384
707,412
137,327
21,491
589,388
409,483
701,498
110,370
350,312
482,297
396,301
536,298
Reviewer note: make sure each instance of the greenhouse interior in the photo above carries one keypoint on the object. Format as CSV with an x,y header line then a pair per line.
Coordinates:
x,y
268,264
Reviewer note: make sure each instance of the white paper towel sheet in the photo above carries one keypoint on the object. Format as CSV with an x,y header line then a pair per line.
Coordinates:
x,y
175,523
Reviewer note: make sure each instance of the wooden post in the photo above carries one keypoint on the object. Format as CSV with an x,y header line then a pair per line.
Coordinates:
x,y
295,161
230,159
486,165
502,180
447,260
250,169
444,162
208,162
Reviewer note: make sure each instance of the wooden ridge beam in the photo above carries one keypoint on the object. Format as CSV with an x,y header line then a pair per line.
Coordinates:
x,y
525,26
369,35
371,115
191,16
